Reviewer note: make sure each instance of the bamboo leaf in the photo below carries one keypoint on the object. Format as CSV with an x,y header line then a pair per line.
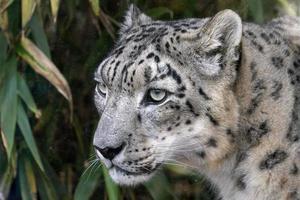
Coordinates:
x,y
9,174
4,4
25,94
31,178
3,56
111,188
88,182
43,66
3,48
26,188
44,186
3,159
28,7
95,6
159,188
24,126
3,14
9,101
57,186
39,35
54,9
290,10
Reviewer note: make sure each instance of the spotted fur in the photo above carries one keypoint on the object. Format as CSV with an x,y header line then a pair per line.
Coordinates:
x,y
231,107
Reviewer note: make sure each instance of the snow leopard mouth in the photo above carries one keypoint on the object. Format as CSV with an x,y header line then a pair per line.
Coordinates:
x,y
143,171
124,177
125,172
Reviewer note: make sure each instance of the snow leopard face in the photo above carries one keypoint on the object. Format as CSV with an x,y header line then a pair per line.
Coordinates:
x,y
165,94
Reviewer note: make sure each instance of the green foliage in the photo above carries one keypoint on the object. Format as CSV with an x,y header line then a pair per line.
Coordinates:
x,y
48,47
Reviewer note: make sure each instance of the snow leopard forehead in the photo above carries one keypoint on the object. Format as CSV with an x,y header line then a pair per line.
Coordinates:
x,y
145,51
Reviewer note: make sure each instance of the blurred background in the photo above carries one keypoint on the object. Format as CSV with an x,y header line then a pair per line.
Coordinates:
x,y
49,50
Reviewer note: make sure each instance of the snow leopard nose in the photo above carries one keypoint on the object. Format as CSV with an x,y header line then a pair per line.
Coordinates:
x,y
109,152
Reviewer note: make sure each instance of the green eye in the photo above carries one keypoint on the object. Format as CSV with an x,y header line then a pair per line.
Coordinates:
x,y
101,89
156,96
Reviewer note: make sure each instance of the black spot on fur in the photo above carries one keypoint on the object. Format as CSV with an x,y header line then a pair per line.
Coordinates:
x,y
296,63
294,195
147,74
183,88
173,74
214,52
290,72
177,107
277,62
258,46
293,135
286,52
158,48
253,70
229,132
212,142
156,58
167,45
277,89
241,156
191,107
265,37
150,55
251,34
202,93
254,134
273,159
294,170
201,154
258,90
212,119
140,62
151,29
188,122
180,95
115,71
139,118
183,31
240,182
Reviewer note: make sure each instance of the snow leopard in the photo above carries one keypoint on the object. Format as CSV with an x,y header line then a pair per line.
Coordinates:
x,y
216,94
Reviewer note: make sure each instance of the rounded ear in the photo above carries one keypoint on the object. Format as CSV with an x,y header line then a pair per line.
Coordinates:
x,y
134,17
224,28
217,42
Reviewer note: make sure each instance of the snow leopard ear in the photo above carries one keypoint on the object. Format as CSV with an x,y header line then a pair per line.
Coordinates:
x,y
215,45
224,30
134,17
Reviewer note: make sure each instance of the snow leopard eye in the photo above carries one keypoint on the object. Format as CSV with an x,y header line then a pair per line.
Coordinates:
x,y
101,89
156,96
